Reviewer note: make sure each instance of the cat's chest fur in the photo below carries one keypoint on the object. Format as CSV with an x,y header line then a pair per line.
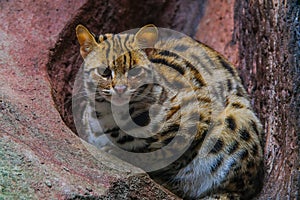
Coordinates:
x,y
185,107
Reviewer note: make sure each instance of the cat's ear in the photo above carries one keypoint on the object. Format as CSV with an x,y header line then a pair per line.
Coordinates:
x,y
147,36
86,40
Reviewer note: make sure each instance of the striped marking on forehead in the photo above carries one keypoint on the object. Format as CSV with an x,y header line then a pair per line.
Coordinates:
x,y
118,49
120,43
123,63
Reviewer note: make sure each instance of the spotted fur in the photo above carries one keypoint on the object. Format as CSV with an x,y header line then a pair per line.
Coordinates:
x,y
167,92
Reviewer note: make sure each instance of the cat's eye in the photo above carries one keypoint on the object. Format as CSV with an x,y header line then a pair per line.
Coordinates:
x,y
135,72
104,72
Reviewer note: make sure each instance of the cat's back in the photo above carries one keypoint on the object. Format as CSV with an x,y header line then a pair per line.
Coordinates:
x,y
230,157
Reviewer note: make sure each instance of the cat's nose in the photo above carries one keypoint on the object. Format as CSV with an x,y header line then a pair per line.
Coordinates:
x,y
120,89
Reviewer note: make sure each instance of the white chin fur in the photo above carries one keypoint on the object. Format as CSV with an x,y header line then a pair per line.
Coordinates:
x,y
116,99
119,101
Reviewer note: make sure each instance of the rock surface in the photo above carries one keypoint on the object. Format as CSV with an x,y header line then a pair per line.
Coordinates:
x,y
40,157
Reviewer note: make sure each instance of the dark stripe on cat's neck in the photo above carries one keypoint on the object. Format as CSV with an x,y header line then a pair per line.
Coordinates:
x,y
197,75
168,53
226,65
200,62
177,67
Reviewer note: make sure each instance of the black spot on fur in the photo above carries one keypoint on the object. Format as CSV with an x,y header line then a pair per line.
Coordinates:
x,y
244,134
204,99
249,175
232,164
237,168
114,132
217,163
229,85
239,91
250,164
233,147
131,110
230,121
227,102
151,139
218,146
125,138
237,105
239,182
254,150
171,129
168,140
244,154
254,127
142,119
194,154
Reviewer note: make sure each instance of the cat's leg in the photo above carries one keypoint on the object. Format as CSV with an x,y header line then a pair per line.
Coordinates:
x,y
234,143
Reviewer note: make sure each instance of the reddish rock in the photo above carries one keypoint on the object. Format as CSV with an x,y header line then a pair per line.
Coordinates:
x,y
40,157
216,29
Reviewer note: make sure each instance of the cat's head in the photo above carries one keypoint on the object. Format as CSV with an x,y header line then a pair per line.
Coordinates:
x,y
117,63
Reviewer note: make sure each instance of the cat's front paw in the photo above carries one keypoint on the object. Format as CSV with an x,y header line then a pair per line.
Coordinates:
x,y
108,149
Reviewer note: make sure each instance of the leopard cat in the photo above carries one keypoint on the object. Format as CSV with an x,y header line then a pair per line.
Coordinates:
x,y
175,99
